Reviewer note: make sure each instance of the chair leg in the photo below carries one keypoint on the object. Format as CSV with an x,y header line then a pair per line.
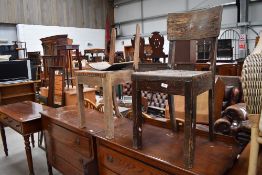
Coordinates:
x,y
172,113
254,149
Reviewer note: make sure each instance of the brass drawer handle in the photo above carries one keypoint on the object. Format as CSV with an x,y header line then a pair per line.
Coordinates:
x,y
110,158
17,125
49,126
77,141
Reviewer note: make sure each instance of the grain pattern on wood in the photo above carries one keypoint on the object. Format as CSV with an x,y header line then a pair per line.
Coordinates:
x,y
73,13
196,24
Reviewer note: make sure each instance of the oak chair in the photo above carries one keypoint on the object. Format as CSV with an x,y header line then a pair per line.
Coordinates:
x,y
193,25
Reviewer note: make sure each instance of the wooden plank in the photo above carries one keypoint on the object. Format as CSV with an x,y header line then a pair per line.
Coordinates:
x,y
192,22
46,17
74,13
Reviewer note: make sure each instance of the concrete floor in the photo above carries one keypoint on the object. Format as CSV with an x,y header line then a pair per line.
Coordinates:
x,y
16,162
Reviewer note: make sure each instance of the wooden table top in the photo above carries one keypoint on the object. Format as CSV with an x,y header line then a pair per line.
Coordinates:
x,y
177,74
23,111
100,73
68,117
161,148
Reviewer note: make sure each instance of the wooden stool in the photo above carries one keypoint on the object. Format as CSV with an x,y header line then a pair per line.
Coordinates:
x,y
107,80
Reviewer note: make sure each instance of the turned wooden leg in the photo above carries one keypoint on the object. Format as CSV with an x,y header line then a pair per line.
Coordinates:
x,y
29,154
172,112
190,112
137,116
49,168
39,139
4,138
33,140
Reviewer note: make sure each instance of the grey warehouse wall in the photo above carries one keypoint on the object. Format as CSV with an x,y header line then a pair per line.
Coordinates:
x,y
67,13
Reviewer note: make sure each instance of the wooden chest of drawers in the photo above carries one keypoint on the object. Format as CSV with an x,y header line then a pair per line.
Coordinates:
x,y
122,164
69,149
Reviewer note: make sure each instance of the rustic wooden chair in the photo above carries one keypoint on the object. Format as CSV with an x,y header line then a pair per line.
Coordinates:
x,y
252,90
156,42
193,25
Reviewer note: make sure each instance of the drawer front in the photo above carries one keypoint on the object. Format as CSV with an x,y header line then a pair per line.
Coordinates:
x,y
11,123
76,159
78,143
104,171
124,165
64,167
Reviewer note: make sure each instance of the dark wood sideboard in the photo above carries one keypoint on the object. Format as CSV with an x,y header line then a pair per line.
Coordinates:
x,y
87,151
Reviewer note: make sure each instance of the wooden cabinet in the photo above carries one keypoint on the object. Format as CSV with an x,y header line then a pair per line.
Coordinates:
x,y
68,151
49,43
12,93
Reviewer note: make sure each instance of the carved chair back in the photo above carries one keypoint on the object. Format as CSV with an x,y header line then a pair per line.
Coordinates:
x,y
156,42
191,27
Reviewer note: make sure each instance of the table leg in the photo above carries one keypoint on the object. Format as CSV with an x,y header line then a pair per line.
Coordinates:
x,y
4,138
190,115
211,114
33,140
172,113
137,116
108,101
49,168
29,154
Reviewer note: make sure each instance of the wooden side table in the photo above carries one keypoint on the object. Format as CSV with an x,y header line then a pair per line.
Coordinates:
x,y
24,118
105,79
176,82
